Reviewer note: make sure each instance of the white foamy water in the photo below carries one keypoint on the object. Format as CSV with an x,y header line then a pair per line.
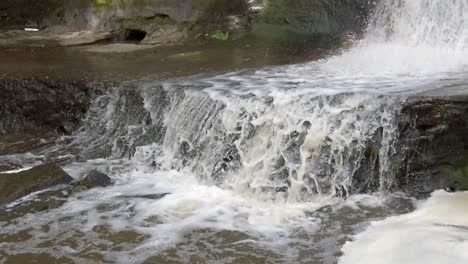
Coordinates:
x,y
410,47
410,38
437,232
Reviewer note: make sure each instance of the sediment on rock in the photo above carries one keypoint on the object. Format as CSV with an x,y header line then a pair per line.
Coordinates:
x,y
16,185
56,197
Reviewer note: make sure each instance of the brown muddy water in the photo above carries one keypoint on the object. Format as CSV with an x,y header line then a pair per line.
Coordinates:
x,y
155,63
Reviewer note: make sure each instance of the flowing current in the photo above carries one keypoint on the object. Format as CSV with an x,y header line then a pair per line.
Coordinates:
x,y
264,166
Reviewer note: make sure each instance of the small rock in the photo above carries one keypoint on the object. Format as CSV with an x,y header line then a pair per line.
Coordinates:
x,y
92,180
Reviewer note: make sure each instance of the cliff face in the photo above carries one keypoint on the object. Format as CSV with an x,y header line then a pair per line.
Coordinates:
x,y
316,17
169,22
101,14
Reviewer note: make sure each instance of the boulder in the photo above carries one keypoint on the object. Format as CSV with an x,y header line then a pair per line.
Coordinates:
x,y
92,180
16,185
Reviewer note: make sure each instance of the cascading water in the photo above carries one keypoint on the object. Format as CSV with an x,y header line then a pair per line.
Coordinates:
x,y
252,162
410,39
437,23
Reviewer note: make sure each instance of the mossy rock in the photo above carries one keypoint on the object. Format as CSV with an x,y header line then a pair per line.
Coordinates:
x,y
92,180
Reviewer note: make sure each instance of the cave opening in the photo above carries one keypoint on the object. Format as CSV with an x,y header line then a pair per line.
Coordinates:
x,y
134,35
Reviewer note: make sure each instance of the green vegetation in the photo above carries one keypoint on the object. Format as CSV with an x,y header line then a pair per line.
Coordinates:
x,y
220,36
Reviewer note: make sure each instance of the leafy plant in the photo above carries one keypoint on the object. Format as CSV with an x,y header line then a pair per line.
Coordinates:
x,y
220,36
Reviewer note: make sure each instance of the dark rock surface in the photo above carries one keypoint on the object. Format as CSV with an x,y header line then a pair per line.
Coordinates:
x,y
431,151
16,185
316,17
155,196
56,197
433,145
37,104
92,180
16,13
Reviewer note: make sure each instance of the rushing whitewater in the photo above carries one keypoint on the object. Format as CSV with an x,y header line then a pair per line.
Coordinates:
x,y
410,39
255,166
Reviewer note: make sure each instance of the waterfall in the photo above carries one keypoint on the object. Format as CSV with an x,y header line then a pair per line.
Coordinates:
x,y
409,38
252,166
435,23
290,133
273,147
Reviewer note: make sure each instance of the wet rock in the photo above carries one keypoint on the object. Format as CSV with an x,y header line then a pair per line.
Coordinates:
x,y
286,21
25,141
50,106
432,150
166,35
43,201
155,196
366,177
229,163
16,185
7,167
249,131
92,180
294,141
